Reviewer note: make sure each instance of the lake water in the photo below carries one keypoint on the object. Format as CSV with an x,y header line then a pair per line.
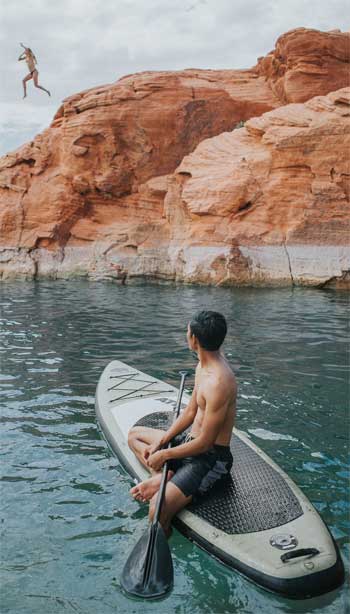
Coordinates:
x,y
67,521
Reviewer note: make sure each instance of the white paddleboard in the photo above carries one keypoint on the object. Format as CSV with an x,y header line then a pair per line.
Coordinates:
x,y
259,523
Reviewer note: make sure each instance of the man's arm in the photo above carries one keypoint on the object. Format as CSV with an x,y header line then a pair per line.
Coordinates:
x,y
181,423
184,420
214,417
21,57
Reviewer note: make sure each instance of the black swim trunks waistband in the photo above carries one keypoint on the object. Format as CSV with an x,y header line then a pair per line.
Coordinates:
x,y
217,446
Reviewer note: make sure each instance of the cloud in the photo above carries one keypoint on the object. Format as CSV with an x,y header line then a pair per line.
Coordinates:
x,y
19,124
83,43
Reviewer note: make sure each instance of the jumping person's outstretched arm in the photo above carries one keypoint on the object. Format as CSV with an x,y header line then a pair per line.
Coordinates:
x,y
23,54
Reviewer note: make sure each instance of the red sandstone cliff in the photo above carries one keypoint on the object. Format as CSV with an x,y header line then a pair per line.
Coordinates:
x,y
307,63
272,197
106,191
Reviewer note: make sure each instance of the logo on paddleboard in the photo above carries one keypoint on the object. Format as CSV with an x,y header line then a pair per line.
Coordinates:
x,y
284,541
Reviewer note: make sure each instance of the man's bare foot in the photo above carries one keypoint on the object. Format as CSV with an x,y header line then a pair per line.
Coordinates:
x,y
25,96
146,489
48,92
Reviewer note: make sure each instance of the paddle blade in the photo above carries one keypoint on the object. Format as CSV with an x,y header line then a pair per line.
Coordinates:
x,y
148,572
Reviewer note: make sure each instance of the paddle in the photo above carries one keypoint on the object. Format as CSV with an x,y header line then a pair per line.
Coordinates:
x,y
148,572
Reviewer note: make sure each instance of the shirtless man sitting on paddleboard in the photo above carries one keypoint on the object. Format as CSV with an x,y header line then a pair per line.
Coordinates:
x,y
202,457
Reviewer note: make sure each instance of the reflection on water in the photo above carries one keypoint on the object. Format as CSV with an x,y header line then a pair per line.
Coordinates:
x,y
67,521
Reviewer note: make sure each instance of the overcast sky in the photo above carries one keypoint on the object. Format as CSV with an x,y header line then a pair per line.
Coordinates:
x,y
84,43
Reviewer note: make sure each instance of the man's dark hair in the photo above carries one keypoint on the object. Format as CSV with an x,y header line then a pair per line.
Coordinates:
x,y
210,328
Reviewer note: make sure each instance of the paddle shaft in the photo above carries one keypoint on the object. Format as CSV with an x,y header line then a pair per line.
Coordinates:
x,y
161,491
148,571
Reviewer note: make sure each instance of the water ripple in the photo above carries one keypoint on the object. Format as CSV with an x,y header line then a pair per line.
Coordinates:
x,y
66,515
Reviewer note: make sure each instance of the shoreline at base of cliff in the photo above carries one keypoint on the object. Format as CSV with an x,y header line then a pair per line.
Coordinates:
x,y
265,266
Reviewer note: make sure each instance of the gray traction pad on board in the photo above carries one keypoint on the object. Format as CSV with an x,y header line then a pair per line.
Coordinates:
x,y
254,498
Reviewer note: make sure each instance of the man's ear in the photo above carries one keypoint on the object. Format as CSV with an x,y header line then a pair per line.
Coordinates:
x,y
194,341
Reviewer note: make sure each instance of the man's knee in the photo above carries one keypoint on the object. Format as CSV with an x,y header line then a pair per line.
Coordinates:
x,y
132,436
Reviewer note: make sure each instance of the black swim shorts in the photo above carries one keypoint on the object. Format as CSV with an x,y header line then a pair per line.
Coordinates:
x,y
195,475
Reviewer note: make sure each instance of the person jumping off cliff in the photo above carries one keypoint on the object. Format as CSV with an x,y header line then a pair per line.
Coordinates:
x,y
30,58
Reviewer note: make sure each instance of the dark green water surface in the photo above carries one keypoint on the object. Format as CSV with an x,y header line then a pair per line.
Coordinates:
x,y
67,521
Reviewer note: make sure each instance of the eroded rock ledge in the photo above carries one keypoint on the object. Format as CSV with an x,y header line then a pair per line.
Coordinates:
x,y
149,177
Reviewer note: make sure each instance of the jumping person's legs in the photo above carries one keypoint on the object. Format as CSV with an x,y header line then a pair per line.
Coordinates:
x,y
27,78
35,77
174,501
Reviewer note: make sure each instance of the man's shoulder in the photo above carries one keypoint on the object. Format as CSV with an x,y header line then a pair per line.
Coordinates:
x,y
223,380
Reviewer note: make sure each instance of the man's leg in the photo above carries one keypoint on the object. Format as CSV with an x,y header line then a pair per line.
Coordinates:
x,y
27,78
174,501
139,438
35,77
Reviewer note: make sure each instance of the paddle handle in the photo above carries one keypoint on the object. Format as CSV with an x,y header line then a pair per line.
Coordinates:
x,y
161,491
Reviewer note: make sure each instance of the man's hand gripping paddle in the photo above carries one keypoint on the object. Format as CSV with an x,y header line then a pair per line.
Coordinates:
x,y
148,572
